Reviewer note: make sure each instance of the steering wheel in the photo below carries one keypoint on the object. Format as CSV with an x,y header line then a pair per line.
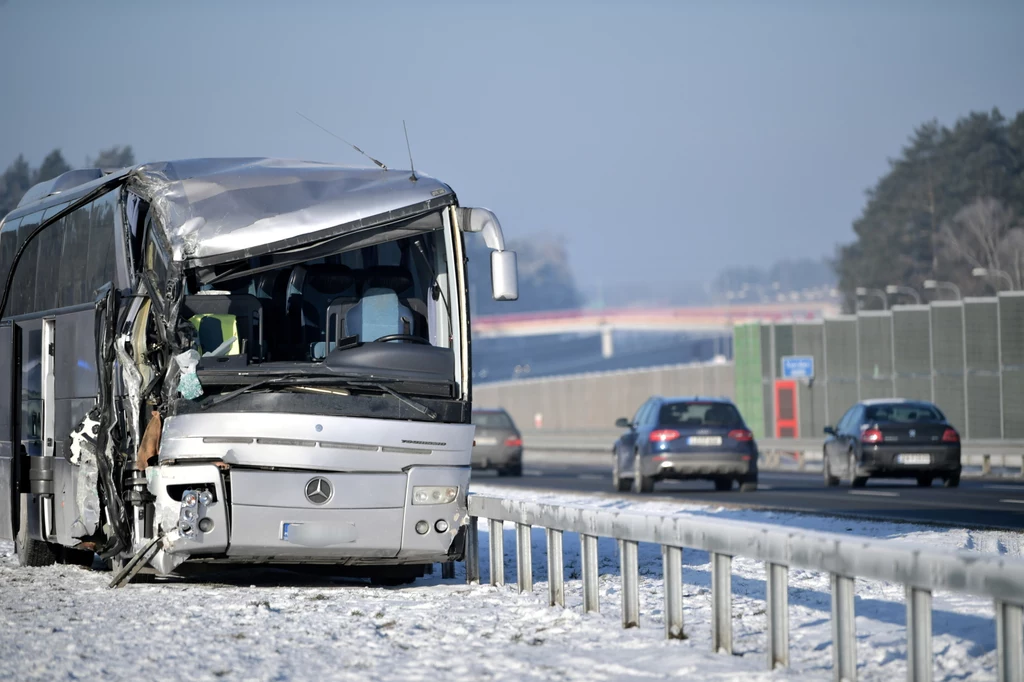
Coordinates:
x,y
402,337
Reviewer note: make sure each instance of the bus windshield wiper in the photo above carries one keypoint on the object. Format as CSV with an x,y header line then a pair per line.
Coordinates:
x,y
270,381
419,407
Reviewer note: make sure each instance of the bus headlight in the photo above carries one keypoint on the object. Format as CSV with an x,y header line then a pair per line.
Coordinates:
x,y
434,494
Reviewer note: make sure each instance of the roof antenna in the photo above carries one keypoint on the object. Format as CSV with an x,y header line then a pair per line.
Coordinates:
x,y
412,177
342,139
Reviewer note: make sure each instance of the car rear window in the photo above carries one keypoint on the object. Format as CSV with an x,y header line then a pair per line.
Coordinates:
x,y
904,413
495,420
699,414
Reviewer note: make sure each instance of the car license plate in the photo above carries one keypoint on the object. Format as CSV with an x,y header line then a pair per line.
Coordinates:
x,y
486,441
704,440
913,459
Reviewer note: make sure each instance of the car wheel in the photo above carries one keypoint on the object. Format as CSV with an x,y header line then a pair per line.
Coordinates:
x,y
748,485
855,480
830,480
723,484
620,484
924,481
641,483
514,470
952,481
31,552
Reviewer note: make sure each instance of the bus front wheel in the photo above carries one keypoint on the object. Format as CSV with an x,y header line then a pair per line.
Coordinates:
x,y
31,552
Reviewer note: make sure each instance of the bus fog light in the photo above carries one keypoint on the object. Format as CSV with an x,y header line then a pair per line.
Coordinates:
x,y
189,499
422,527
205,498
188,515
206,524
186,529
441,526
434,494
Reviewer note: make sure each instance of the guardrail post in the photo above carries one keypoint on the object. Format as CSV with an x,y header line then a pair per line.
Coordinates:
x,y
844,631
556,581
986,465
524,558
497,543
472,552
630,584
1021,472
777,594
1010,641
672,570
919,635
721,603
448,570
588,557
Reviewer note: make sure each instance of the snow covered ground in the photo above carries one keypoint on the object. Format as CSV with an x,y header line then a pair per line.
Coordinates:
x,y
62,622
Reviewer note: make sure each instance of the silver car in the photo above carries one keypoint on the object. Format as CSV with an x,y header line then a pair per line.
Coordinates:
x,y
498,444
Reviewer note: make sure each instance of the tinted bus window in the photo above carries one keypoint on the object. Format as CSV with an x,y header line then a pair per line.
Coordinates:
x,y
99,268
71,282
22,299
8,247
51,241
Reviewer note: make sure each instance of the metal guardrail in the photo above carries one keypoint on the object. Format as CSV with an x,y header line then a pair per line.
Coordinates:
x,y
920,570
981,453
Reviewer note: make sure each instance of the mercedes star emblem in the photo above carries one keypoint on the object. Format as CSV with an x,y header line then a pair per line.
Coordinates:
x,y
319,490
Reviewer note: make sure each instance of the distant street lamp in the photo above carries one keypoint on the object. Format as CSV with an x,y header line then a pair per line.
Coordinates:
x,y
932,284
990,272
894,289
863,291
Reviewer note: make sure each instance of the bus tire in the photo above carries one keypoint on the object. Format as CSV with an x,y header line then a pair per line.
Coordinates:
x,y
31,552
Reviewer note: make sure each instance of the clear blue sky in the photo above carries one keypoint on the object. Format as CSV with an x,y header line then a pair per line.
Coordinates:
x,y
663,140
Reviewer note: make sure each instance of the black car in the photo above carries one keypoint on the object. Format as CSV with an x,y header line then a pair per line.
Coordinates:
x,y
685,438
497,443
892,438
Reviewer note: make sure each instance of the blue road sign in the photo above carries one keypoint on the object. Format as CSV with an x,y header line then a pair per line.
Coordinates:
x,y
798,367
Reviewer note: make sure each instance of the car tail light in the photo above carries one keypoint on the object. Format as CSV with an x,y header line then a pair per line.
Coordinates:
x,y
950,436
663,435
872,436
742,435
513,442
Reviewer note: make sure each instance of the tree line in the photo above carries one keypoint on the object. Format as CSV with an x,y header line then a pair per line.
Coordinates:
x,y
951,202
19,176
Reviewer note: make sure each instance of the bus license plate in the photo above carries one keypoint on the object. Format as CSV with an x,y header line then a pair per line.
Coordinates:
x,y
704,440
913,459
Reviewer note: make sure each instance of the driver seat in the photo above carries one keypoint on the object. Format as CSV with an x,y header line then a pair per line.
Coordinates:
x,y
378,313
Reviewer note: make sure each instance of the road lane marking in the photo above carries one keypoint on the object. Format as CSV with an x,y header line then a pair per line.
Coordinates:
x,y
1013,501
590,477
532,472
1004,487
874,493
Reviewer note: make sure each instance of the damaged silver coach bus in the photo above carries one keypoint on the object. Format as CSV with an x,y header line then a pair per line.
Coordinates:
x,y
240,361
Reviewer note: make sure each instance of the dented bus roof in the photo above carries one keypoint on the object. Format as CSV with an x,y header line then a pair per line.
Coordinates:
x,y
215,210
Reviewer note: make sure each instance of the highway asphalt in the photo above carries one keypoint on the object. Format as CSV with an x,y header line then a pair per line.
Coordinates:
x,y
977,503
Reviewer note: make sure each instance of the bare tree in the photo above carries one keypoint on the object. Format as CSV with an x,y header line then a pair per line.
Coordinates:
x,y
987,234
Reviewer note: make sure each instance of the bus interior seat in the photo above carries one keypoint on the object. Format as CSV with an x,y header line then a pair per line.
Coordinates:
x,y
218,317
400,280
324,285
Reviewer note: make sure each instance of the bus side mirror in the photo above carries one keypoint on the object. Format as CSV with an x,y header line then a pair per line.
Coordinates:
x,y
504,276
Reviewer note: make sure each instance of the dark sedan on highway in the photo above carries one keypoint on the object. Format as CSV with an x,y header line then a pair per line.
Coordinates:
x,y
892,438
685,438
497,444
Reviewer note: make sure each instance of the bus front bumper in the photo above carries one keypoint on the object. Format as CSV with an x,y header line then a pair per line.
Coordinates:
x,y
214,513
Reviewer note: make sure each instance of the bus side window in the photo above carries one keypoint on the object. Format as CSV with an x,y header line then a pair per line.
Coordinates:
x,y
22,299
51,241
8,247
100,266
71,282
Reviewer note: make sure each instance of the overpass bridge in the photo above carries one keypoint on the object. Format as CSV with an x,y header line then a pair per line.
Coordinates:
x,y
701,319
